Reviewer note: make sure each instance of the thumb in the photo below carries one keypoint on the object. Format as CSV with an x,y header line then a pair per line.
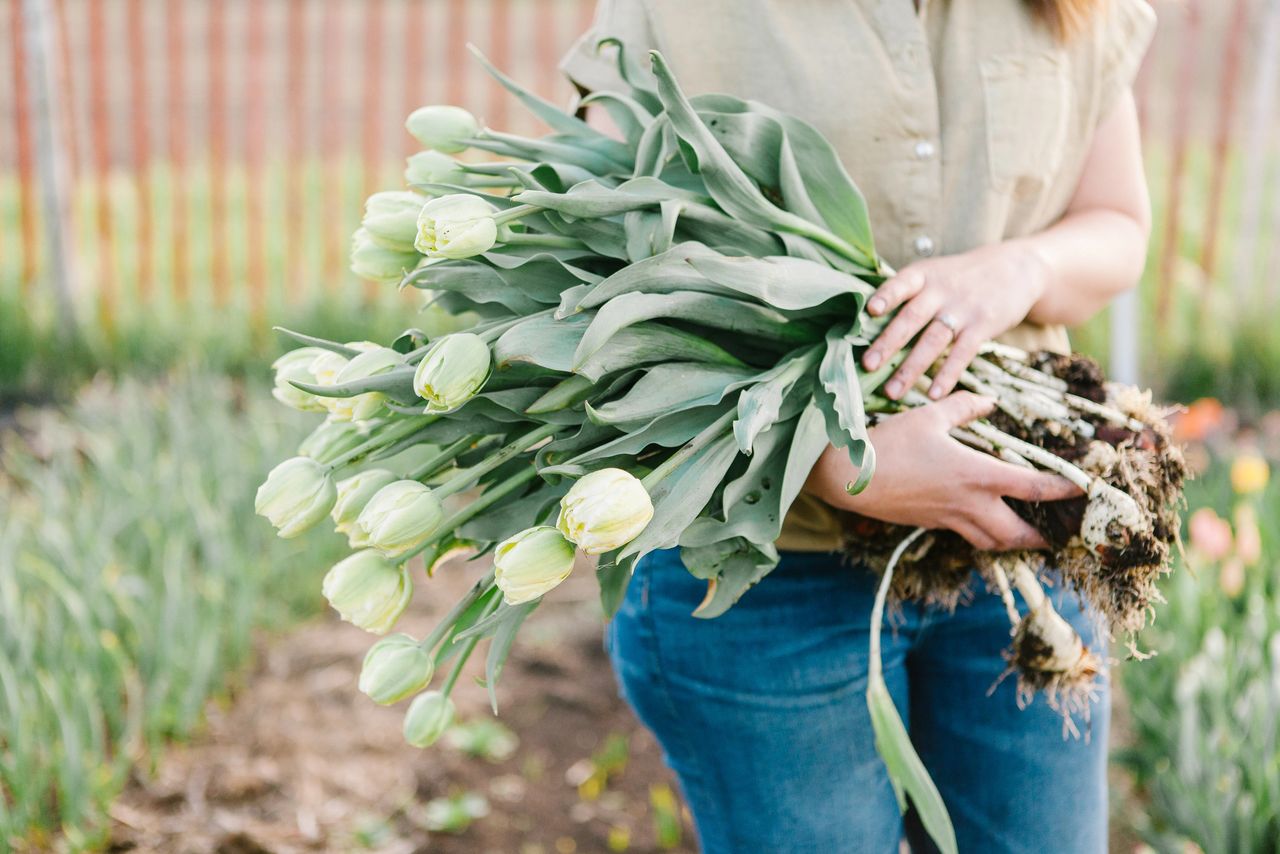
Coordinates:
x,y
960,408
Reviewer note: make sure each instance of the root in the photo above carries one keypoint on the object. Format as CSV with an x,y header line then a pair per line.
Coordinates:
x,y
1135,475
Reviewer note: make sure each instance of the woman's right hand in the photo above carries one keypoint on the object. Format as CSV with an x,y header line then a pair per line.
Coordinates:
x,y
925,478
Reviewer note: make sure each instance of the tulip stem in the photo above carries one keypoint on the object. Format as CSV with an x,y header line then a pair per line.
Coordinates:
x,y
551,241
467,478
494,331
477,590
468,647
446,455
513,214
390,435
875,669
697,443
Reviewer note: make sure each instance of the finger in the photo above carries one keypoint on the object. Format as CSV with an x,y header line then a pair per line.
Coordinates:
x,y
1034,485
962,407
974,535
896,291
1009,530
913,317
931,344
966,346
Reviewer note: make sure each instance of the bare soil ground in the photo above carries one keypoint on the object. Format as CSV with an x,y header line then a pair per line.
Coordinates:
x,y
299,761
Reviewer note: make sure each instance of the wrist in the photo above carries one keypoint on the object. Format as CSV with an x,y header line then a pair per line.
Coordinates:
x,y
1034,271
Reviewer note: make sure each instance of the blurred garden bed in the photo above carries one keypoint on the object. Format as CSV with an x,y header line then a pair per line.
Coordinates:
x,y
299,760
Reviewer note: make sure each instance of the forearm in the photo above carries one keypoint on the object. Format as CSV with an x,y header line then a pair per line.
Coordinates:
x,y
1086,260
1098,249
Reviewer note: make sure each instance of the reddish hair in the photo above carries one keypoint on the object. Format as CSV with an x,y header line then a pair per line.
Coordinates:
x,y
1066,17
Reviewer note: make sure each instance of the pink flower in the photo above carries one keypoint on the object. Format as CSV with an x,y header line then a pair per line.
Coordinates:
x,y
1248,537
1210,534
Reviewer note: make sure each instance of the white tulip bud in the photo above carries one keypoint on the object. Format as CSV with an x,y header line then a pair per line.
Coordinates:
x,y
370,363
377,263
604,511
368,591
532,562
434,167
442,127
296,494
354,495
456,226
394,668
391,219
400,517
295,366
429,715
453,371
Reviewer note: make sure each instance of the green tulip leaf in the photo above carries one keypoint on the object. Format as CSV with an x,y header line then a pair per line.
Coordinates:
x,y
731,568
668,388
716,312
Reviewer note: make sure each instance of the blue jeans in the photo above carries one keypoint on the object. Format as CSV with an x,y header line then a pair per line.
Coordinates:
x,y
762,715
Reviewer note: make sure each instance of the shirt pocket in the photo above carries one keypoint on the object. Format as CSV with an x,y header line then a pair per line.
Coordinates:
x,y
1027,98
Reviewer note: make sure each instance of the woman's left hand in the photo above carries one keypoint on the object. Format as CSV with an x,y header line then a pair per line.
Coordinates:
x,y
957,301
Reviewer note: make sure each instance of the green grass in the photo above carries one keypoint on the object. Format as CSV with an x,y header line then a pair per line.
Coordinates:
x,y
1206,747
132,575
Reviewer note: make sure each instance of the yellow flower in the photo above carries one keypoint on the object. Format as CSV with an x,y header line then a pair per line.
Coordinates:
x,y
1249,474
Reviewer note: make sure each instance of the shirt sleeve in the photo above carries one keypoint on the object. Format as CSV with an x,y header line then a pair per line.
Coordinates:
x,y
597,70
1124,36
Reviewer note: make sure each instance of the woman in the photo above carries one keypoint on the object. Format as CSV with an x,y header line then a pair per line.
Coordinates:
x,y
996,142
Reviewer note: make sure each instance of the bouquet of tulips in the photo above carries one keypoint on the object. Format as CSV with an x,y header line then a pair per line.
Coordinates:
x,y
664,335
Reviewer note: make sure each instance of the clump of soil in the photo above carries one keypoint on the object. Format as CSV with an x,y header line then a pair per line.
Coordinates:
x,y
299,761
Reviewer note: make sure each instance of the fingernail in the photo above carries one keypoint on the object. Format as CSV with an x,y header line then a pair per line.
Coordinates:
x,y
876,305
935,391
893,388
871,361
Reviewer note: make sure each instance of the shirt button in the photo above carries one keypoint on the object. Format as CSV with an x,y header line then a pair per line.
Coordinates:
x,y
924,149
923,246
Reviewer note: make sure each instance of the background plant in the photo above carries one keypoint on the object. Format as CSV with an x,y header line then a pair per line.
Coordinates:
x,y
130,584
1205,749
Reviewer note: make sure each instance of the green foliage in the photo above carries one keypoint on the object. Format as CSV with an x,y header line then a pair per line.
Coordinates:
x,y
132,573
1206,748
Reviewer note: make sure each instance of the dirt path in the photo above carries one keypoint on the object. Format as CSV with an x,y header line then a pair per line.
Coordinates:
x,y
299,761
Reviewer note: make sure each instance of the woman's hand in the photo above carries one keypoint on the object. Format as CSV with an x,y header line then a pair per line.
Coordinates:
x,y
927,479
958,301
1062,275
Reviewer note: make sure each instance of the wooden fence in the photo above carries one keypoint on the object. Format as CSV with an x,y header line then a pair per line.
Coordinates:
x,y
215,153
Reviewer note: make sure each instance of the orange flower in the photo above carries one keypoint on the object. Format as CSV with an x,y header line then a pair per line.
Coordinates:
x,y
1199,420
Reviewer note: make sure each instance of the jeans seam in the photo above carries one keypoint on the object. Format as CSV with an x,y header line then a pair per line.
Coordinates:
x,y
663,685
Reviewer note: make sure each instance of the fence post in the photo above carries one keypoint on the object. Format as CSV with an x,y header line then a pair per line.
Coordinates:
x,y
52,161
1261,112
1122,366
